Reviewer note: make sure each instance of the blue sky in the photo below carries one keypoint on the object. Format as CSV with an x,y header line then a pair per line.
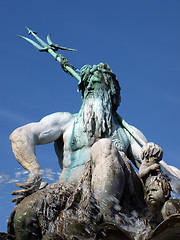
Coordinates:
x,y
140,40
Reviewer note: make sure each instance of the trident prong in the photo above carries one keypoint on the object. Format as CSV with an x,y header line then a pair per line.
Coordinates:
x,y
56,47
41,49
51,48
44,44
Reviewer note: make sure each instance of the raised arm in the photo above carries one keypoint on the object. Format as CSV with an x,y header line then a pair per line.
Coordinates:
x,y
24,140
134,153
134,150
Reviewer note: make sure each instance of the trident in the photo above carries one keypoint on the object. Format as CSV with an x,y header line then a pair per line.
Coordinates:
x,y
52,48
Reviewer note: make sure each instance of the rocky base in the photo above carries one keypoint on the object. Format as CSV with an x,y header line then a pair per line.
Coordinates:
x,y
6,236
69,212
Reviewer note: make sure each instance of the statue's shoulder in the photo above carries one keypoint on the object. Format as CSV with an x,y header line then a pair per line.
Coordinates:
x,y
139,133
58,118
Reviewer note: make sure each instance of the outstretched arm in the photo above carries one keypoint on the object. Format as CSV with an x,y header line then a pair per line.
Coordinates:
x,y
24,140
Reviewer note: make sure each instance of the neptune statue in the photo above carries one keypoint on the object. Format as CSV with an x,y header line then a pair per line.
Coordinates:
x,y
95,149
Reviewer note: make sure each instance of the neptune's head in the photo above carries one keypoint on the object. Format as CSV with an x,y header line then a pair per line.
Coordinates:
x,y
96,77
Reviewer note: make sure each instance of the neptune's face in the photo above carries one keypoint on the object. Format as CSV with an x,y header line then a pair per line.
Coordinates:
x,y
99,78
95,82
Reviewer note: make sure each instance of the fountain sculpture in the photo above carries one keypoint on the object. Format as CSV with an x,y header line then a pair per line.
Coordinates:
x,y
99,194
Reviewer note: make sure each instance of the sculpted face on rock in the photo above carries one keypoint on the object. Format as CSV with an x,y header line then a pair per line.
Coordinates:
x,y
157,190
155,194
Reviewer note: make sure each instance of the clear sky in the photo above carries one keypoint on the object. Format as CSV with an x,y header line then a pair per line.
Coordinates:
x,y
139,39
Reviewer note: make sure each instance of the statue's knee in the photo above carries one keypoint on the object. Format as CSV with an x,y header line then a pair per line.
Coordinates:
x,y
103,148
26,224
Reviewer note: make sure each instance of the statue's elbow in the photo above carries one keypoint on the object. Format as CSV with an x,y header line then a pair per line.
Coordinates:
x,y
16,135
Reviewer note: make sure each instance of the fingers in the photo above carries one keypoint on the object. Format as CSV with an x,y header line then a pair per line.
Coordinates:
x,y
23,191
32,185
34,179
23,185
18,199
155,166
17,192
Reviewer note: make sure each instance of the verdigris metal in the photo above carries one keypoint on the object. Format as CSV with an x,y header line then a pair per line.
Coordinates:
x,y
98,184
51,48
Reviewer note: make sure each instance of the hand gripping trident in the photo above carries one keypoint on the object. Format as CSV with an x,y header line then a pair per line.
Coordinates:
x,y
52,48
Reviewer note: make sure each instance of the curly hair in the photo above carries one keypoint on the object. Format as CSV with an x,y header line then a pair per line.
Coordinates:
x,y
151,149
109,79
162,182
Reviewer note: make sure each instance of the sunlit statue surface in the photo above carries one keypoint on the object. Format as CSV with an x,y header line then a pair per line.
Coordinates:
x,y
157,187
93,147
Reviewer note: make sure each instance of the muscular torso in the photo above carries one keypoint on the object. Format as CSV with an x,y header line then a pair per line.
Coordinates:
x,y
75,152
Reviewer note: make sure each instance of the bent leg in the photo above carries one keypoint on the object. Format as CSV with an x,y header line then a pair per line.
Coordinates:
x,y
107,174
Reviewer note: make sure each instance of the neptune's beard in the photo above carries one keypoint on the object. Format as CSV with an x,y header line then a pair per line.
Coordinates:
x,y
97,114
